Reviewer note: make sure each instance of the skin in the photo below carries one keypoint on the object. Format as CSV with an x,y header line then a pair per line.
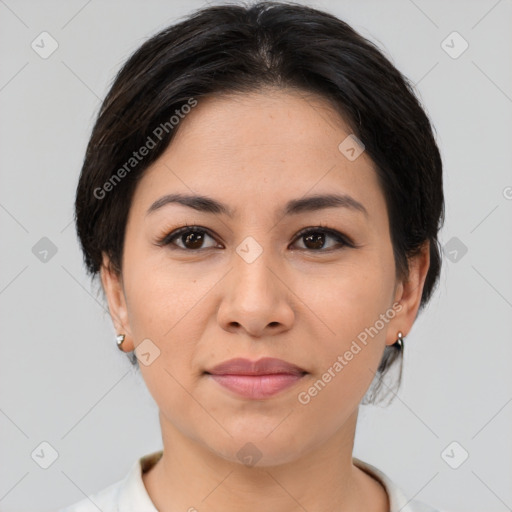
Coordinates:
x,y
254,153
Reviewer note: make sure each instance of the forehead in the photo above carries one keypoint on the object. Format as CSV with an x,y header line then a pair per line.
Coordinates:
x,y
270,122
274,145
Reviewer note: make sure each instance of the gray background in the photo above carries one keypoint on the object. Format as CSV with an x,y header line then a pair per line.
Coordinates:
x,y
62,378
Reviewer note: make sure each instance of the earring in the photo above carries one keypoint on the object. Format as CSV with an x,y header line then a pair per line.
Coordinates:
x,y
119,340
399,343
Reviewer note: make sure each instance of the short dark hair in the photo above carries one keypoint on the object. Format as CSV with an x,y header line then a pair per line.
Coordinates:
x,y
246,48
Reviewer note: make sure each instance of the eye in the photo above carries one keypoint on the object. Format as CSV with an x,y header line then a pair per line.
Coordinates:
x,y
315,239
191,237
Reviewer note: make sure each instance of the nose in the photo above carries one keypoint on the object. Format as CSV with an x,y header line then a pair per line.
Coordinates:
x,y
255,299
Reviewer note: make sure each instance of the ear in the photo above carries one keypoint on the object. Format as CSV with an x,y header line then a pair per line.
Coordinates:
x,y
114,292
408,294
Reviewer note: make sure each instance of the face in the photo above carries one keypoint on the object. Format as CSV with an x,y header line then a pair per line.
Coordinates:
x,y
268,273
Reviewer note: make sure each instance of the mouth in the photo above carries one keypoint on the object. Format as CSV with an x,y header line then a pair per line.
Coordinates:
x,y
256,379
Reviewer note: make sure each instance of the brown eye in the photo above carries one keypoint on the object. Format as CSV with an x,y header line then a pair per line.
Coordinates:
x,y
188,238
315,239
192,240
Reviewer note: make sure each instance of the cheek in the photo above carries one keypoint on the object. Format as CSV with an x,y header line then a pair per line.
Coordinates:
x,y
347,358
166,306
158,294
355,306
353,296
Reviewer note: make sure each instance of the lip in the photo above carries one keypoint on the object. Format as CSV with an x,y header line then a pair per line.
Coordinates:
x,y
263,366
256,379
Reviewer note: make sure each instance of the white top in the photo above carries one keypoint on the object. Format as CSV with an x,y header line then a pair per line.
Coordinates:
x,y
130,495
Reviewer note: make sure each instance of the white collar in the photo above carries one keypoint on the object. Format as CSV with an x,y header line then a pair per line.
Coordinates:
x,y
133,496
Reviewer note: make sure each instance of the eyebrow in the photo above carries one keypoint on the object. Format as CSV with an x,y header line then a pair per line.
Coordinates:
x,y
293,207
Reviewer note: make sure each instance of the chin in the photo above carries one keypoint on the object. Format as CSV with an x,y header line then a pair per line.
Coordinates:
x,y
258,451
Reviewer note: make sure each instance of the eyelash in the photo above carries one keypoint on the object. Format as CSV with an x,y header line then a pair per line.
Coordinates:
x,y
343,240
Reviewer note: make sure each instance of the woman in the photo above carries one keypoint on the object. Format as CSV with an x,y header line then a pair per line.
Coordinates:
x,y
261,198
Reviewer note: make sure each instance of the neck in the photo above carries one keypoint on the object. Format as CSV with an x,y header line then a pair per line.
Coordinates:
x,y
191,477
